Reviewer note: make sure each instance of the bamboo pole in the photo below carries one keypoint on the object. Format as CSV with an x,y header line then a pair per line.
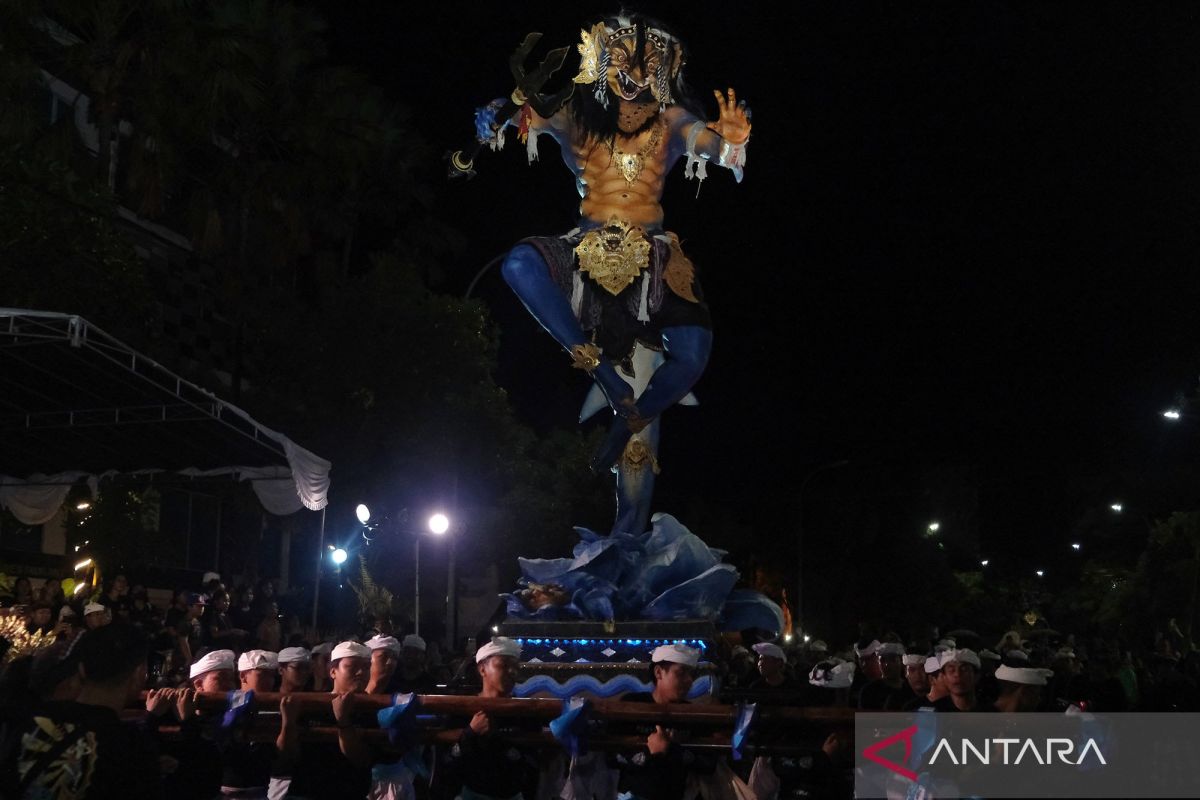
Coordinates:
x,y
667,714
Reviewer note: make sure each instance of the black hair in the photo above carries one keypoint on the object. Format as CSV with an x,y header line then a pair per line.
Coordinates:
x,y
111,653
600,123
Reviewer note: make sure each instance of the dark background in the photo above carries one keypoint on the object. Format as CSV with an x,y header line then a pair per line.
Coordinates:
x,y
963,258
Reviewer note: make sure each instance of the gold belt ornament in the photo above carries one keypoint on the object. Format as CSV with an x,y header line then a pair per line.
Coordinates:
x,y
615,255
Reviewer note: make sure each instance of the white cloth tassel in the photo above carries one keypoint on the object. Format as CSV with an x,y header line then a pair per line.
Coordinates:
x,y
644,305
531,150
577,294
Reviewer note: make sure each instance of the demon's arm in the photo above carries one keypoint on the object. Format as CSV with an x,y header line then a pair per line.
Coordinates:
x,y
528,122
724,140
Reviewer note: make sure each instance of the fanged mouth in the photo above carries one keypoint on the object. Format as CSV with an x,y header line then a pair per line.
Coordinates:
x,y
628,88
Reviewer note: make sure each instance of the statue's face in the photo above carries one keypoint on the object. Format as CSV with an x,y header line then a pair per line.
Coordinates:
x,y
628,80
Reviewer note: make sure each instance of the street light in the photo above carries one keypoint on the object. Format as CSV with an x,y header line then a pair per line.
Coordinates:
x,y
983,563
339,556
438,524
1040,573
1117,507
1075,546
934,527
798,602
1171,413
363,513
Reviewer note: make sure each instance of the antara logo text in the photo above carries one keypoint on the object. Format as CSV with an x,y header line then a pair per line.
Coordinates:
x,y
1002,752
1050,751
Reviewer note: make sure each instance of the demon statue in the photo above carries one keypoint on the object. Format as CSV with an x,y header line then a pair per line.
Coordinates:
x,y
618,292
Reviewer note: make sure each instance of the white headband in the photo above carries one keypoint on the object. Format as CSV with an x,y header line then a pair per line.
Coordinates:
x,y
677,653
1029,676
350,650
210,662
498,646
772,650
257,659
383,642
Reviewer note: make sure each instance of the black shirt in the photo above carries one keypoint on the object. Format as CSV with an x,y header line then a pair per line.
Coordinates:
x,y
491,764
106,758
878,696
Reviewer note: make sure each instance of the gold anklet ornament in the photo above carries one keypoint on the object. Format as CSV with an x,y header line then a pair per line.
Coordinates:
x,y
638,456
585,357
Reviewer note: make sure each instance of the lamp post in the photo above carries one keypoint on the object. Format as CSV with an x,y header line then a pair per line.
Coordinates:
x,y
798,602
438,525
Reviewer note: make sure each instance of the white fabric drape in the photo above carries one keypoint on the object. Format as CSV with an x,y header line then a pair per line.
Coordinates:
x,y
280,490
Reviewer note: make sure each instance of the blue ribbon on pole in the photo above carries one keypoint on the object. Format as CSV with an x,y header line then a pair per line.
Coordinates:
x,y
570,727
741,728
240,704
400,721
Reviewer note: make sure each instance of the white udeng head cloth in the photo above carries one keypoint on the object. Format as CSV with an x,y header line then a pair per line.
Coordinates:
x,y
676,653
869,650
772,650
962,656
294,655
890,649
350,650
837,676
414,641
323,649
383,642
257,659
912,659
934,663
498,646
1030,676
209,662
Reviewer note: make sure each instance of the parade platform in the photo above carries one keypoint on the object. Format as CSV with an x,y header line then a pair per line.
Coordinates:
x,y
604,660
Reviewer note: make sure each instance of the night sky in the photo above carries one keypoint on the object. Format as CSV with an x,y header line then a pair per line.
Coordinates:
x,y
966,244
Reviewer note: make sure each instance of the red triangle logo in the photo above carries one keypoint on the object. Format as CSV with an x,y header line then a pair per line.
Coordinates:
x,y
872,752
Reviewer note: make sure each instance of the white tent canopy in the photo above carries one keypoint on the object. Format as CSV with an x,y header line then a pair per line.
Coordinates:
x,y
78,405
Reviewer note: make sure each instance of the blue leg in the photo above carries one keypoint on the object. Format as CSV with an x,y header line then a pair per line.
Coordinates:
x,y
529,276
686,349
635,488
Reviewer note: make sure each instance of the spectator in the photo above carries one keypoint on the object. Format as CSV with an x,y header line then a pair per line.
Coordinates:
x,y
216,630
52,595
184,625
80,748
211,583
40,619
244,613
95,616
269,633
22,592
117,598
142,612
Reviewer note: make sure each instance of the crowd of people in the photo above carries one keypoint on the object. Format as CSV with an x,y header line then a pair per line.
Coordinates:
x,y
77,668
